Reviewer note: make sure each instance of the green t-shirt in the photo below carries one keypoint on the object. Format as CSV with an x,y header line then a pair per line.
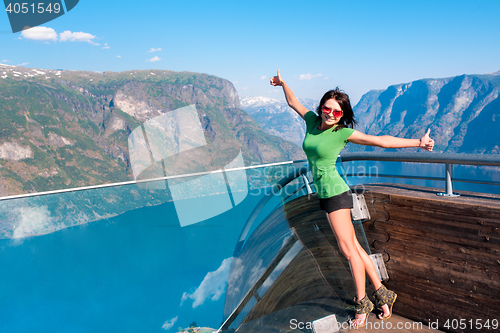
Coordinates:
x,y
322,149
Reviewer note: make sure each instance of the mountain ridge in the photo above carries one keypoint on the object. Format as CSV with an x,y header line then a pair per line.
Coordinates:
x,y
277,118
453,108
457,109
63,129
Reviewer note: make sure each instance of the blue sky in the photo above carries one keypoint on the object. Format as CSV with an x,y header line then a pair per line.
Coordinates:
x,y
357,45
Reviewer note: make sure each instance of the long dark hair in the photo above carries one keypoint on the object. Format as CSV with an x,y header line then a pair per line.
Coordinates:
x,y
341,97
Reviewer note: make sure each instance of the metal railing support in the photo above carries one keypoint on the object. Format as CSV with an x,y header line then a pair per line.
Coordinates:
x,y
448,182
306,182
442,158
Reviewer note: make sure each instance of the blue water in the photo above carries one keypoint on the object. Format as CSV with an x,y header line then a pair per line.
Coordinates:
x,y
129,273
124,274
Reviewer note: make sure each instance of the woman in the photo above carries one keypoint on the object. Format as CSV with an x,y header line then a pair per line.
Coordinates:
x,y
327,134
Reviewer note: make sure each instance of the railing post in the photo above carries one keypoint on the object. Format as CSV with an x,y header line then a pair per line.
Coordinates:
x,y
306,182
448,182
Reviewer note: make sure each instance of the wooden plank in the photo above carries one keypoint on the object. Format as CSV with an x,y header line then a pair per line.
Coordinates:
x,y
414,242
444,254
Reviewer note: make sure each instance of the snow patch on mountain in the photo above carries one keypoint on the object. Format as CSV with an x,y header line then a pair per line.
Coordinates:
x,y
276,117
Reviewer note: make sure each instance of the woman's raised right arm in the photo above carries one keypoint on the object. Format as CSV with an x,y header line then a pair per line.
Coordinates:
x,y
292,101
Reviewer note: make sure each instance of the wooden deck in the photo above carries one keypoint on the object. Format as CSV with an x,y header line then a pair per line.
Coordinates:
x,y
442,253
442,256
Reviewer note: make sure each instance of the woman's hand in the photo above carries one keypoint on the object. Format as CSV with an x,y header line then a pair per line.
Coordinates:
x,y
426,142
276,80
292,101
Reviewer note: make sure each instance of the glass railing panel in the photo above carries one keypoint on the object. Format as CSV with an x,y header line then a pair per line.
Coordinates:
x,y
264,243
123,258
290,255
158,254
253,261
261,182
38,215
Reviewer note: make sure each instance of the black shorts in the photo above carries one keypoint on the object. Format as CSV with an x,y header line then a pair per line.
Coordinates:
x,y
339,201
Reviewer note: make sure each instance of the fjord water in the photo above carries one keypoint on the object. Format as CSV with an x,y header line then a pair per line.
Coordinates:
x,y
124,274
140,271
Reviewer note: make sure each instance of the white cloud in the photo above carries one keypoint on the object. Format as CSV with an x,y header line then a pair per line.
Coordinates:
x,y
118,56
238,268
169,323
212,286
5,60
263,77
327,78
256,272
77,37
154,50
236,272
155,58
244,88
307,76
32,221
48,34
106,46
40,33
23,64
290,255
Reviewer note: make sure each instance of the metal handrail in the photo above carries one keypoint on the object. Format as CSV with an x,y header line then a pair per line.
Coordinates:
x,y
443,158
149,180
440,158
442,179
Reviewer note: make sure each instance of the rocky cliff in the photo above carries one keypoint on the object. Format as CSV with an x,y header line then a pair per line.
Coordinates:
x,y
463,112
63,129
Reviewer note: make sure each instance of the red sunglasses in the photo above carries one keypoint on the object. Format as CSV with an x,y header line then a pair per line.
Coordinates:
x,y
327,111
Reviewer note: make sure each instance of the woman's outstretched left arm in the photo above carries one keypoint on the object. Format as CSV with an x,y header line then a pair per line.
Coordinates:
x,y
387,141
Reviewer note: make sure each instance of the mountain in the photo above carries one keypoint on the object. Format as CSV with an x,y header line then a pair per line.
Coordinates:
x,y
66,129
463,112
277,118
63,129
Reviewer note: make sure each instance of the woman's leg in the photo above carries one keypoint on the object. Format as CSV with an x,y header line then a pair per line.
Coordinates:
x,y
372,273
361,264
340,222
369,267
